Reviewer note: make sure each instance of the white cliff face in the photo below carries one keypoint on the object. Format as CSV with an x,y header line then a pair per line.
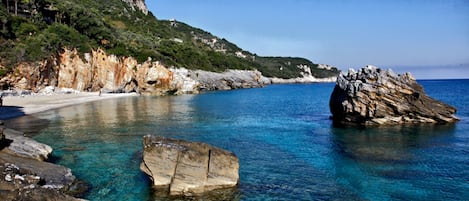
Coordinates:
x,y
230,79
138,4
183,82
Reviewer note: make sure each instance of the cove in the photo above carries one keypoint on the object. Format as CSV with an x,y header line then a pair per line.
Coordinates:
x,y
282,134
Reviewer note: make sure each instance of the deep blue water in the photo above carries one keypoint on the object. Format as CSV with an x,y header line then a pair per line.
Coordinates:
x,y
283,137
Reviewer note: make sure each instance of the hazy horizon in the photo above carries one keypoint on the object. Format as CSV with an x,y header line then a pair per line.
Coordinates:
x,y
428,38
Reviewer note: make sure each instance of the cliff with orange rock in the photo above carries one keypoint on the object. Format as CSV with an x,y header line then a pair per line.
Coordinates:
x,y
98,71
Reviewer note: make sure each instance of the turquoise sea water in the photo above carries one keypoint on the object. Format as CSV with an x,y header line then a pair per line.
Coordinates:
x,y
287,147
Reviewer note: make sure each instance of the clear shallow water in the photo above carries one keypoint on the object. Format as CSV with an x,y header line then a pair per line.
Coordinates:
x,y
284,140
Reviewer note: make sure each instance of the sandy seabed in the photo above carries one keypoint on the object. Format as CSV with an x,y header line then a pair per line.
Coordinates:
x,y
15,106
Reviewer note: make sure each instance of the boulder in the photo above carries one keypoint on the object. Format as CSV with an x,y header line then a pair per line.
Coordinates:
x,y
24,146
182,168
373,97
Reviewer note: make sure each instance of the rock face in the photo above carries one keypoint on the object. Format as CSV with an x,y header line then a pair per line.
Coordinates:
x,y
373,96
230,79
98,71
137,4
181,168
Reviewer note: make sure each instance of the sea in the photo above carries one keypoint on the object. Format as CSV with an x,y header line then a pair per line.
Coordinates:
x,y
282,135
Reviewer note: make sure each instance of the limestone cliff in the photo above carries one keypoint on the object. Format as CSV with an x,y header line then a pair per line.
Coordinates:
x,y
137,4
98,71
373,96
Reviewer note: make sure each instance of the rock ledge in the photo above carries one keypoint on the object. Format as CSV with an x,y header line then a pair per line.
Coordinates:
x,y
373,97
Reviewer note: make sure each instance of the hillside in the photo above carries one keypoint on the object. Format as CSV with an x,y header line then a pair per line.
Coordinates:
x,y
34,30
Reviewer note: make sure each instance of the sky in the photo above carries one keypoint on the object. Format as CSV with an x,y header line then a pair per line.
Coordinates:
x,y
429,38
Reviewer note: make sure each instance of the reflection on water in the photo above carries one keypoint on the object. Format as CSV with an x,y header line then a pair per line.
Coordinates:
x,y
29,125
286,145
401,162
387,144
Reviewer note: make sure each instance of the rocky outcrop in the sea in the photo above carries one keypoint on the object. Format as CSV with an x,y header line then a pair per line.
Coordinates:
x,y
182,168
24,176
373,96
98,71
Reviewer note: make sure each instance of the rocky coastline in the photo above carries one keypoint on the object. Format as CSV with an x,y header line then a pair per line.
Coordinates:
x,y
26,176
98,71
70,79
376,97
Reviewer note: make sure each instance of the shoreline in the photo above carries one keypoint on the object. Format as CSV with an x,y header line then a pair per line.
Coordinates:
x,y
17,106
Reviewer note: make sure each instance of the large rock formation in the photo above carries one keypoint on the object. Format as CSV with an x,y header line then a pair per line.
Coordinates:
x,y
24,176
373,96
109,73
181,168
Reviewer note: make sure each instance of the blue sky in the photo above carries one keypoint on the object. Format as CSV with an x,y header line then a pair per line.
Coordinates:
x,y
420,36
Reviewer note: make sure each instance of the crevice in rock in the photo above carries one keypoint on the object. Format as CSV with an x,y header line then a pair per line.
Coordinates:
x,y
208,164
175,169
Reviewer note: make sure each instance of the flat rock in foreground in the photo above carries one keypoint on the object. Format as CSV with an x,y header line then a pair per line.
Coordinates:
x,y
181,168
373,96
24,176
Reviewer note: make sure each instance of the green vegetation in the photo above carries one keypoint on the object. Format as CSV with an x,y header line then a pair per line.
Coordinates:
x,y
38,29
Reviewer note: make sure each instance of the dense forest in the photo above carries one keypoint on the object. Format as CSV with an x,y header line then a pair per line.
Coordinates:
x,y
33,30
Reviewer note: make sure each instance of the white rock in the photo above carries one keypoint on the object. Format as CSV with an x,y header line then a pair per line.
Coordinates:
x,y
8,177
19,177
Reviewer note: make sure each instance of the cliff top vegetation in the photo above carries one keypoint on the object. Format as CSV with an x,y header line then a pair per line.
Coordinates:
x,y
34,30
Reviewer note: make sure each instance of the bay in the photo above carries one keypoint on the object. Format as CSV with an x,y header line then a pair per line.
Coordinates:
x,y
283,136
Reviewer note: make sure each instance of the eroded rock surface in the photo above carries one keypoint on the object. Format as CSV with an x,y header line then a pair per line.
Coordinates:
x,y
181,168
230,79
373,96
25,147
98,71
24,176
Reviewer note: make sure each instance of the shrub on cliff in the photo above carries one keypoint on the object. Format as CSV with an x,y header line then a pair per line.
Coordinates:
x,y
40,28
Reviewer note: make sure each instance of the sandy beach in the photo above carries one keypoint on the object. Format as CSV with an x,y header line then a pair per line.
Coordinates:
x,y
15,106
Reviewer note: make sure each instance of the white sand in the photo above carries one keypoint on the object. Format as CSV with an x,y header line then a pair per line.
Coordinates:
x,y
15,106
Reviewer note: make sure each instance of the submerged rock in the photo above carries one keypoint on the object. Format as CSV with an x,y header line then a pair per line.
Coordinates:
x,y
181,168
373,96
